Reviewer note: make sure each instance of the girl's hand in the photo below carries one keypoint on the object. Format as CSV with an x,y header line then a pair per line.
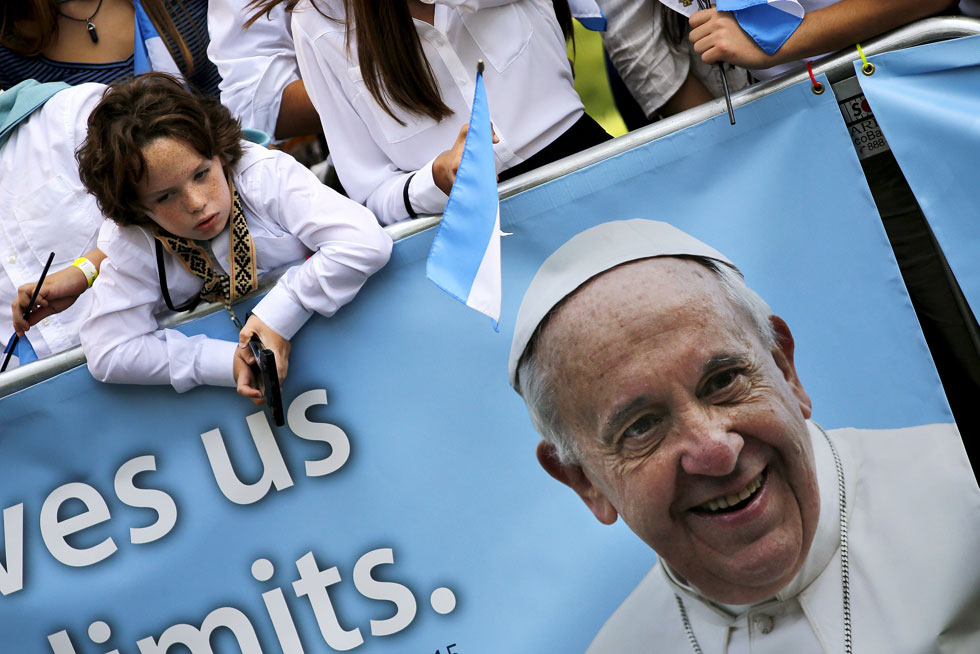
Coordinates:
x,y
446,164
717,36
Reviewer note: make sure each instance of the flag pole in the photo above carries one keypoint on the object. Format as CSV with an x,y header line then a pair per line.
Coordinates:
x,y
706,4
728,94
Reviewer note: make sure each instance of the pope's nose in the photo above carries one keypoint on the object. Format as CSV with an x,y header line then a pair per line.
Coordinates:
x,y
709,448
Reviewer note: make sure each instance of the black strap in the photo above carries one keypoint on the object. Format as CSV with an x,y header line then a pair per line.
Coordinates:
x,y
162,272
408,203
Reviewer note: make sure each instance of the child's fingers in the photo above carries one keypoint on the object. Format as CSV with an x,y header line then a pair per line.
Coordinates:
x,y
245,389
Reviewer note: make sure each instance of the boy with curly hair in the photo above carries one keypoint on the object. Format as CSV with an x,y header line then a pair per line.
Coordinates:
x,y
197,213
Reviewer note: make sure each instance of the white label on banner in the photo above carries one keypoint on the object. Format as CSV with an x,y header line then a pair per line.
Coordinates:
x,y
686,7
862,124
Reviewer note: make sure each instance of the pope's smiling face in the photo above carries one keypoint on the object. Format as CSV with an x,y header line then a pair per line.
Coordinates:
x,y
686,424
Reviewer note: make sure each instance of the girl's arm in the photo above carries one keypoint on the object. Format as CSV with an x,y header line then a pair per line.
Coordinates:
x,y
717,36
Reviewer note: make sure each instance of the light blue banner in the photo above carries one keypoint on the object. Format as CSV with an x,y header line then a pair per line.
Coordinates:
x,y
403,499
927,102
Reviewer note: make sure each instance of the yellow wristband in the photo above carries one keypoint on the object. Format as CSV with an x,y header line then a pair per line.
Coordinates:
x,y
88,269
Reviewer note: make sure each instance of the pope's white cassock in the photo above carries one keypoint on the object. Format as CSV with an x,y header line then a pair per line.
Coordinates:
x,y
913,522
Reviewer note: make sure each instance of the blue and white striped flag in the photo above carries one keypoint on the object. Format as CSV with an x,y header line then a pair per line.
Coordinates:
x,y
768,22
149,50
588,13
465,257
23,351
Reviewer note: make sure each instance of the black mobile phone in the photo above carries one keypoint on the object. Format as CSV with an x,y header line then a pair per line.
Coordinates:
x,y
267,373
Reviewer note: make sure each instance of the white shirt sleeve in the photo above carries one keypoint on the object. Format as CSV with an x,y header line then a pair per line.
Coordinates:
x,y
423,193
256,64
121,339
347,242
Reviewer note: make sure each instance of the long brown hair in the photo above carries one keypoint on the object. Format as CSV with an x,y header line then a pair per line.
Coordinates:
x,y
27,27
393,66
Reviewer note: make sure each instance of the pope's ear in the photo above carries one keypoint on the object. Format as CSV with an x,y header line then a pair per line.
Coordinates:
x,y
575,477
782,353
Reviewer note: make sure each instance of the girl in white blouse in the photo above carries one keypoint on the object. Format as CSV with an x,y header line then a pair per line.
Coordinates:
x,y
393,83
197,213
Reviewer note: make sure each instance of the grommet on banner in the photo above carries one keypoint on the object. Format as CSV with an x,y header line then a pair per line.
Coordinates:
x,y
867,67
817,87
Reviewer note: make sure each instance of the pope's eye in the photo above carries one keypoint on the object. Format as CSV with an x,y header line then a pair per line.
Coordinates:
x,y
721,380
642,426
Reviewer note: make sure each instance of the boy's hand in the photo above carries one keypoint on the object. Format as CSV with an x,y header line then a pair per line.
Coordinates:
x,y
270,340
59,291
245,378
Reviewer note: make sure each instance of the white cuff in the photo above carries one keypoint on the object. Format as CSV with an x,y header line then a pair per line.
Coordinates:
x,y
425,196
218,362
281,312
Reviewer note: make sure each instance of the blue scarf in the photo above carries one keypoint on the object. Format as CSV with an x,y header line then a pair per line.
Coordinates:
x,y
21,100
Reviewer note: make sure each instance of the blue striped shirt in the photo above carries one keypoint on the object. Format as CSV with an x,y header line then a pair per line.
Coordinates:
x,y
15,68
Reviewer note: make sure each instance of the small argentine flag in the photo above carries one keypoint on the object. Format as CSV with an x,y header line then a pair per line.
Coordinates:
x,y
18,352
768,22
465,257
149,50
588,13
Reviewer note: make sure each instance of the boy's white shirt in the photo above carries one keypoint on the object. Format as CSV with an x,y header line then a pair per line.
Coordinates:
x,y
290,215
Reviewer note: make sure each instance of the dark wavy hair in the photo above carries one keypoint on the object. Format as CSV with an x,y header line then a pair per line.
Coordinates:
x,y
131,115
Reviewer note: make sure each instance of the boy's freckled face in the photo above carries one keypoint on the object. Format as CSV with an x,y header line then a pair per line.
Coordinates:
x,y
183,191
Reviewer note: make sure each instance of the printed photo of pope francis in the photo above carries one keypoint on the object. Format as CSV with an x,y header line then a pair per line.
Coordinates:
x,y
666,394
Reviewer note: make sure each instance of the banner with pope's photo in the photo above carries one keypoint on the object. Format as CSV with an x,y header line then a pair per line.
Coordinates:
x,y
401,508
930,94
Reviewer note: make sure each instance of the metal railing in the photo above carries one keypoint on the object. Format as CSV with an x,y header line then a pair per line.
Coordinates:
x,y
837,67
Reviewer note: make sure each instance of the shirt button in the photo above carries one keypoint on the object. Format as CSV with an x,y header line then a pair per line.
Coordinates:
x,y
12,258
763,623
46,322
